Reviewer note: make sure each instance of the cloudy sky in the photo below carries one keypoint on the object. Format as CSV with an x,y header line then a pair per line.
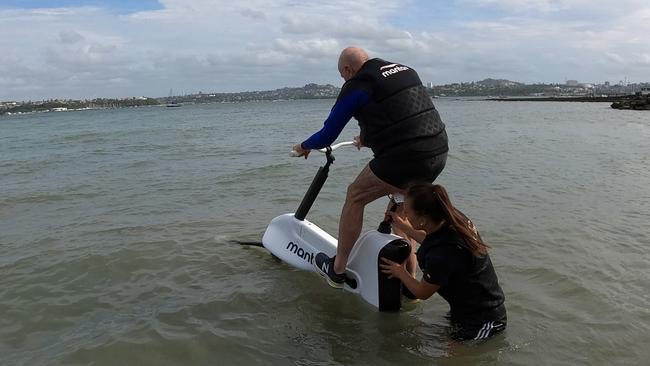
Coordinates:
x,y
112,48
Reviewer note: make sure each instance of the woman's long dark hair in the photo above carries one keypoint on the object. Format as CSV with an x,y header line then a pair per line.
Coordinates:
x,y
432,201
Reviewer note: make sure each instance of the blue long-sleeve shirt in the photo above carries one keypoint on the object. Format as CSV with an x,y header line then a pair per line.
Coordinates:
x,y
339,116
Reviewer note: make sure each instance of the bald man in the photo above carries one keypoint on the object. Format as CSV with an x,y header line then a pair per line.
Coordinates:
x,y
399,123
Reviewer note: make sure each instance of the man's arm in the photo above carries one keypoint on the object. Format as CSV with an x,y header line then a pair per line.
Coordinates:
x,y
339,116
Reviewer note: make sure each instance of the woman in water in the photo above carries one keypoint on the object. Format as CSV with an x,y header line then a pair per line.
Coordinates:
x,y
454,262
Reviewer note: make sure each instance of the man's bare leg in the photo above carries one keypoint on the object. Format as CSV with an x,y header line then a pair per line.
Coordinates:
x,y
366,188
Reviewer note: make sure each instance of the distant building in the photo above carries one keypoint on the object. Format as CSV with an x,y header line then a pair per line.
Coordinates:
x,y
430,85
572,83
645,91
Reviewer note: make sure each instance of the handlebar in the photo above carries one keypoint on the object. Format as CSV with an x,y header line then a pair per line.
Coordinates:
x,y
294,153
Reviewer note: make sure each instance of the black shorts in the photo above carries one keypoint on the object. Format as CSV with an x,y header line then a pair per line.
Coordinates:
x,y
484,331
400,172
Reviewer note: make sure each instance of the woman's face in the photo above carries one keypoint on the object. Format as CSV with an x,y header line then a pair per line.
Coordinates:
x,y
413,218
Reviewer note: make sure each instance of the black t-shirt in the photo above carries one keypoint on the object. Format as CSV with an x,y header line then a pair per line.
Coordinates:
x,y
468,283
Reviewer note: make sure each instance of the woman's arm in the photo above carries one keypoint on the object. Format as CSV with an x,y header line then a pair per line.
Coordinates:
x,y
404,225
422,289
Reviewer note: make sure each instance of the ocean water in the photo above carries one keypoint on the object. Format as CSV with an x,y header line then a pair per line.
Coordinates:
x,y
117,230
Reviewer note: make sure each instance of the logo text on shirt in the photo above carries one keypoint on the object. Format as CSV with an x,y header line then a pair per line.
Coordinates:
x,y
392,69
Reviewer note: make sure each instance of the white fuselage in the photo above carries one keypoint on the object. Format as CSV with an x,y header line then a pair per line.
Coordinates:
x,y
297,242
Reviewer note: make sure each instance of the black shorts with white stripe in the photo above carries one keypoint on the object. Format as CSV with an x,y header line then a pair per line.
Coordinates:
x,y
484,331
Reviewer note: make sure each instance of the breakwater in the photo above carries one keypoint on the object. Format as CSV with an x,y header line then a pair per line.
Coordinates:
x,y
609,99
637,102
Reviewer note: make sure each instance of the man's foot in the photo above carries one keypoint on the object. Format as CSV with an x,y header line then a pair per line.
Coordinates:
x,y
324,266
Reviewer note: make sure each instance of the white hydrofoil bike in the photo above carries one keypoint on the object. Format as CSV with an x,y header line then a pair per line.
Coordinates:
x,y
296,241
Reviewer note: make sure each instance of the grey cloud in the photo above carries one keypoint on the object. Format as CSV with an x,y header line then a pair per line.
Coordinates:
x,y
294,24
359,28
100,59
69,37
253,14
615,57
259,57
525,5
491,27
101,48
643,60
269,44
215,59
309,48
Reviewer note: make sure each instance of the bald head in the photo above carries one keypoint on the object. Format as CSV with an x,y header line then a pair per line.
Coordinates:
x,y
350,61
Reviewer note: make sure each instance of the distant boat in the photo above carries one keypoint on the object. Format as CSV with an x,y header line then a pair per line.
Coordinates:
x,y
170,101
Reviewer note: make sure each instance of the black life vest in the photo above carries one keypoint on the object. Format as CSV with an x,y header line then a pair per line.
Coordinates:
x,y
400,118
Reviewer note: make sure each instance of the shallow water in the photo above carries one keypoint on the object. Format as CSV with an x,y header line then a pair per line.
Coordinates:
x,y
116,230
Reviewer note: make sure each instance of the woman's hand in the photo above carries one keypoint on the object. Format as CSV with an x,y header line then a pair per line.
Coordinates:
x,y
421,289
401,223
393,269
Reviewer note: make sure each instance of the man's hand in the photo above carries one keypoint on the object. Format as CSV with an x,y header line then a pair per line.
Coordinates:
x,y
301,152
357,142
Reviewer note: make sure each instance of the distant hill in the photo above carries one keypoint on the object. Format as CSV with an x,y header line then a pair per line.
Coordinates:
x,y
498,83
57,105
491,87
309,91
487,87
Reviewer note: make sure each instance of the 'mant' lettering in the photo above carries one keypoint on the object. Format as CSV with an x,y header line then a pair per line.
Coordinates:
x,y
394,70
292,247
